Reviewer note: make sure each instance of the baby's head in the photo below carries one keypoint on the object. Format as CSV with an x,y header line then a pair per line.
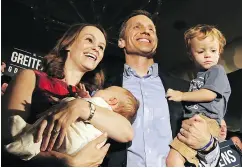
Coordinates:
x,y
204,43
121,100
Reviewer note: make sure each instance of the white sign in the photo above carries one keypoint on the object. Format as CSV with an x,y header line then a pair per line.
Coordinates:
x,y
230,156
22,59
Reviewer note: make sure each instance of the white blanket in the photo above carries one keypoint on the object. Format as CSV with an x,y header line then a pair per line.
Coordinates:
x,y
78,134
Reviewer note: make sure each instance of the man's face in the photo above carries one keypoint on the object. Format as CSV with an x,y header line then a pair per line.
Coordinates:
x,y
237,141
238,56
223,130
139,37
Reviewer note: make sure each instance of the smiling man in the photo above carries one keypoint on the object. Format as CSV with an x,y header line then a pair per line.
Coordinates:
x,y
157,120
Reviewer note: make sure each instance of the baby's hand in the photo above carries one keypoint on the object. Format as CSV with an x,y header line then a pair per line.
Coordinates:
x,y
82,92
174,95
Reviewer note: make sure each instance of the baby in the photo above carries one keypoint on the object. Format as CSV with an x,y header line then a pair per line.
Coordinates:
x,y
209,91
79,133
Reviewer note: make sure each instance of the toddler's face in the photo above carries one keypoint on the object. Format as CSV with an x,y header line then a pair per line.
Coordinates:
x,y
205,52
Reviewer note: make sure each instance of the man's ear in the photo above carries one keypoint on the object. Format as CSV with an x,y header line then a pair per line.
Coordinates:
x,y
121,43
113,101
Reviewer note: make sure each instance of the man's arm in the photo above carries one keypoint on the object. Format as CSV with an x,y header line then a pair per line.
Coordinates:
x,y
211,157
195,134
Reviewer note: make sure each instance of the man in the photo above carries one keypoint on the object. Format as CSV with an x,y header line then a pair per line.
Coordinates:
x,y
237,140
157,120
223,131
4,84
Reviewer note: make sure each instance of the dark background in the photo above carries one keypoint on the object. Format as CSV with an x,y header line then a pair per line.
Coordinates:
x,y
35,25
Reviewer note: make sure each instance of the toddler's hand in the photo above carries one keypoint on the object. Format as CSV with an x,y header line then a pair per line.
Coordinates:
x,y
174,95
82,92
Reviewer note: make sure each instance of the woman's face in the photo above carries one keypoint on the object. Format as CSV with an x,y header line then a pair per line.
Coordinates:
x,y
88,49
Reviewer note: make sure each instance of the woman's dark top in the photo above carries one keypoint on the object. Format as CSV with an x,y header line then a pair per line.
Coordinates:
x,y
48,91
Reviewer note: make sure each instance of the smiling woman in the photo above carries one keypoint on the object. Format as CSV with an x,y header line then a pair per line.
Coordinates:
x,y
74,48
31,93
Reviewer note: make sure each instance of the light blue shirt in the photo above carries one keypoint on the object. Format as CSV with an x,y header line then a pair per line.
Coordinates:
x,y
152,128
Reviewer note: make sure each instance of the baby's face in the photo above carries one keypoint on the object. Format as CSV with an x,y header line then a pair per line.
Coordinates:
x,y
205,52
102,93
106,94
112,95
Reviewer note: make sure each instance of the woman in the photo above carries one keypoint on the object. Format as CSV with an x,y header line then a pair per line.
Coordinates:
x,y
32,92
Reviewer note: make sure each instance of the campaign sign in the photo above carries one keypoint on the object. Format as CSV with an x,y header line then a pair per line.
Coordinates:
x,y
230,156
17,59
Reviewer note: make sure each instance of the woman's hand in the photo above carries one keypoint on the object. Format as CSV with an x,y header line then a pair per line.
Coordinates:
x,y
53,129
91,155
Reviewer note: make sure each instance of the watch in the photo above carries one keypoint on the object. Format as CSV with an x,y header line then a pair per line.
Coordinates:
x,y
92,110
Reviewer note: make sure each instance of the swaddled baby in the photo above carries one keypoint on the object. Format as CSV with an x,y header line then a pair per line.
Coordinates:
x,y
79,133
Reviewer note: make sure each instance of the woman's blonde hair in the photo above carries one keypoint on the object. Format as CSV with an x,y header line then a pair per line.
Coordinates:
x,y
201,31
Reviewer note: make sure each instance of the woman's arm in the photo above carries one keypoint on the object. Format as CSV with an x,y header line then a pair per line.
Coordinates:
x,y
17,101
17,98
117,126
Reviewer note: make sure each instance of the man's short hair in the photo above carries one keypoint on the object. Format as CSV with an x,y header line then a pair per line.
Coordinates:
x,y
134,13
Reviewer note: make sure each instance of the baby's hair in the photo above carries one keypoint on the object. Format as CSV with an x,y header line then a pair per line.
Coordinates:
x,y
129,107
201,31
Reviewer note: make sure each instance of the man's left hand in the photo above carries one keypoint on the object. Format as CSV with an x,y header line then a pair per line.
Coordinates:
x,y
194,132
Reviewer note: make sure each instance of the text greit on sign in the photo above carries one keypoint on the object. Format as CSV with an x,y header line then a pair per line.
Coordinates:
x,y
22,59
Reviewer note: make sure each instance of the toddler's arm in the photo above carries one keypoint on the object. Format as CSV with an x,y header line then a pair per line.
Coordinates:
x,y
202,95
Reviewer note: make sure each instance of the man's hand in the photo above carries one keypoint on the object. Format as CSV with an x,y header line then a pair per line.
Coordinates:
x,y
194,132
174,95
